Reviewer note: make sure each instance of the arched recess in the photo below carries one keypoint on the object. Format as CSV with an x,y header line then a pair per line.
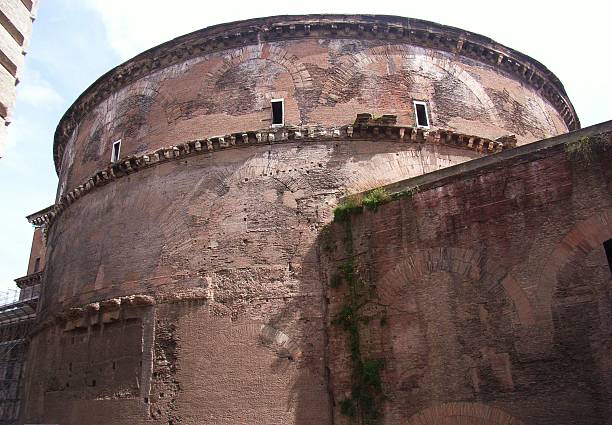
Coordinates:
x,y
463,414
466,262
299,74
123,114
586,236
351,65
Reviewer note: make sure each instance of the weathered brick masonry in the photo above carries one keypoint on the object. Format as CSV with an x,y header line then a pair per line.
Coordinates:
x,y
489,289
185,280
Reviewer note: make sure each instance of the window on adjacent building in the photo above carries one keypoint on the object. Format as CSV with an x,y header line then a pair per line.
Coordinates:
x,y
116,151
36,265
608,247
278,112
420,111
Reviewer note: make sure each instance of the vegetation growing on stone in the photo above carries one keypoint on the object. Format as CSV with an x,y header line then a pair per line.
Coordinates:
x,y
373,199
586,148
364,404
347,207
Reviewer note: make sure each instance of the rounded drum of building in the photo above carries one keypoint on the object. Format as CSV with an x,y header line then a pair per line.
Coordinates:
x,y
182,280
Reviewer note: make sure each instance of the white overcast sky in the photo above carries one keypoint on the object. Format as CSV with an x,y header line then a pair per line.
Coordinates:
x,y
76,41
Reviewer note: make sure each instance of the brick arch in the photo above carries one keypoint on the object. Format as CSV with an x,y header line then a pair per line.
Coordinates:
x,y
585,236
465,262
351,65
143,87
463,414
299,74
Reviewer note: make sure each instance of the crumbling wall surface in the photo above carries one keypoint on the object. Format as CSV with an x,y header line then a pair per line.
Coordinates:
x,y
323,81
478,297
92,365
225,245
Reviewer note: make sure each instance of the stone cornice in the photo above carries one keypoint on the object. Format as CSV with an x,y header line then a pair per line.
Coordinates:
x,y
32,217
364,130
29,280
367,27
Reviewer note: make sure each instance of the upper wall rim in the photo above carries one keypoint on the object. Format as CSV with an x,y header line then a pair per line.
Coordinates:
x,y
285,27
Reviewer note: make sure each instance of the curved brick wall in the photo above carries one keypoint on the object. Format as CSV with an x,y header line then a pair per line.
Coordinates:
x,y
327,68
223,243
183,283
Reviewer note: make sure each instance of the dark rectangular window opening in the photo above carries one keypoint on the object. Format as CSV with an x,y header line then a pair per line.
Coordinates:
x,y
116,151
420,109
36,264
608,247
277,112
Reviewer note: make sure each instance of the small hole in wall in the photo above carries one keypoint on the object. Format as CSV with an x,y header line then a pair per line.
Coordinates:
x,y
146,400
67,385
246,180
114,365
93,383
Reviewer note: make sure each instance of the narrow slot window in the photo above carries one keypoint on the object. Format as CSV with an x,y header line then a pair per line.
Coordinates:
x,y
420,111
116,151
278,112
608,247
36,264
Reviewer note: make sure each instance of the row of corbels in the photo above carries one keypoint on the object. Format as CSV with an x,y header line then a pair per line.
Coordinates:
x,y
103,311
280,135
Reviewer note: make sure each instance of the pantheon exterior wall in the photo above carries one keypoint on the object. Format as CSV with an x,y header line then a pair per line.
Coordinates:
x,y
183,281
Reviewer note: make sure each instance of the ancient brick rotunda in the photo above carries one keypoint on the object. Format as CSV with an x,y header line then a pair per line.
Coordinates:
x,y
195,271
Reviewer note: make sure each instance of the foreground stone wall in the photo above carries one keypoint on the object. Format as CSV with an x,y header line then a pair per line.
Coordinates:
x,y
485,291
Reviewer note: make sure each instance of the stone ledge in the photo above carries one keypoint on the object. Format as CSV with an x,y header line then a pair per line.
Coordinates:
x,y
29,280
364,130
378,27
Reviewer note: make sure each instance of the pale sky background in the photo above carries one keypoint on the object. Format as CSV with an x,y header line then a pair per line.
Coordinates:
x,y
76,41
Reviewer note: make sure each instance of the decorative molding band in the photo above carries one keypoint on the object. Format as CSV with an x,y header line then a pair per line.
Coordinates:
x,y
363,130
392,29
29,280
